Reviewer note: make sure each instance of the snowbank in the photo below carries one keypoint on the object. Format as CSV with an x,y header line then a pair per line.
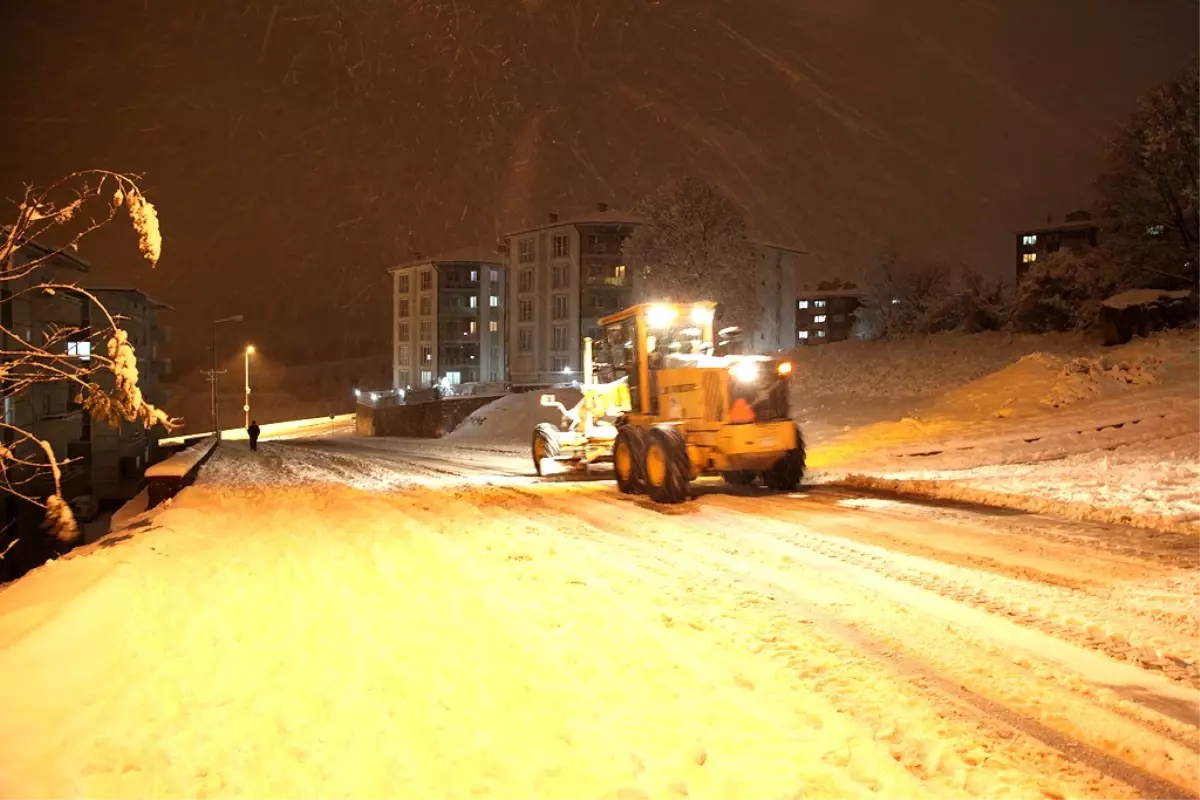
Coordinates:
x,y
511,419
283,430
1111,437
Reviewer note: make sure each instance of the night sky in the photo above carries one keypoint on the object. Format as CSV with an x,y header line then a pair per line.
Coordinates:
x,y
297,149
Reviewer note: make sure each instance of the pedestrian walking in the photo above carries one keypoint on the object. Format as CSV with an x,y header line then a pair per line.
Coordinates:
x,y
253,433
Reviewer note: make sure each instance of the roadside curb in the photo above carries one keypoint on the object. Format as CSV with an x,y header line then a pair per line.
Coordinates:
x,y
950,490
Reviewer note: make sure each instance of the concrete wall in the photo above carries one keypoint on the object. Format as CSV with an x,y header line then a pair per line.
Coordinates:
x,y
420,420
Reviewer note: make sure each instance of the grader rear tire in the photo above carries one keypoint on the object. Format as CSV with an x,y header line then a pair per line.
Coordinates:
x,y
629,449
544,445
739,477
667,468
788,471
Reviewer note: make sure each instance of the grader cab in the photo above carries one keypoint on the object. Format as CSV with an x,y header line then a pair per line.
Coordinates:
x,y
670,409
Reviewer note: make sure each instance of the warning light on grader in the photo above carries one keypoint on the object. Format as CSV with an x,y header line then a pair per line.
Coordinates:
x,y
785,368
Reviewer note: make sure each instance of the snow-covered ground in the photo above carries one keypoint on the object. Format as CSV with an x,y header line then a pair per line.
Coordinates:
x,y
316,426
1110,436
454,628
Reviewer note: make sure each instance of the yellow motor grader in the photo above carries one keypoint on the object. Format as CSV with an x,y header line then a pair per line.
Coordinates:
x,y
670,409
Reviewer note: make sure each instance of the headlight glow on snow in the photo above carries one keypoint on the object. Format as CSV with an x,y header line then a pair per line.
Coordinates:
x,y
744,371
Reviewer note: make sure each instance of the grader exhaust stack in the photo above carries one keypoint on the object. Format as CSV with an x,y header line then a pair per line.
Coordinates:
x,y
587,360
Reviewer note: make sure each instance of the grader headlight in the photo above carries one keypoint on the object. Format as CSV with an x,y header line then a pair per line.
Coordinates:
x,y
785,368
660,316
745,371
701,315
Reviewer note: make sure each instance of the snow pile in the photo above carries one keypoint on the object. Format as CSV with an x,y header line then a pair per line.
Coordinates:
x,y
511,419
1141,297
1113,437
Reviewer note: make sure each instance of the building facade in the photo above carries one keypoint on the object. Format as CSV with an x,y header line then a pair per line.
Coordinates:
x,y
825,312
776,267
566,274
120,455
1077,231
448,320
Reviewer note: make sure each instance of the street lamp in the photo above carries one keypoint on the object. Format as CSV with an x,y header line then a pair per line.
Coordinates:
x,y
215,414
246,407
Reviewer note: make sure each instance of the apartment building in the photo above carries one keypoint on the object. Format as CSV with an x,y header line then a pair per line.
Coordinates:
x,y
119,456
825,312
564,274
448,320
776,267
1078,230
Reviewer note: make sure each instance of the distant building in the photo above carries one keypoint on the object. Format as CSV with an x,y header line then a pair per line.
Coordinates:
x,y
825,312
45,410
448,320
775,280
1076,232
566,274
119,456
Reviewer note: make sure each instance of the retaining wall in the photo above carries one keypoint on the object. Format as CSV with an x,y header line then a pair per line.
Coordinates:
x,y
419,420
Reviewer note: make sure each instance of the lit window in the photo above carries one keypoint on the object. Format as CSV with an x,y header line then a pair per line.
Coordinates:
x,y
494,300
474,326
818,303
1029,258
1029,239
81,350
619,272
493,326
820,334
474,302
802,304
819,318
474,276
802,334
426,354
494,275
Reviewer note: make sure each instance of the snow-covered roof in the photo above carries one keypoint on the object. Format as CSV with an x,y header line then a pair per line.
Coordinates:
x,y
596,216
123,290
47,250
478,254
1081,224
1137,297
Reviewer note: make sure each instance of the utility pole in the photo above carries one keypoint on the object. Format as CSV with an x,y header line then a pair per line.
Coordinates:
x,y
246,405
216,421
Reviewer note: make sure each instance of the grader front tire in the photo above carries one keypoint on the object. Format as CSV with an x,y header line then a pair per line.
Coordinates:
x,y
628,451
667,467
544,445
788,471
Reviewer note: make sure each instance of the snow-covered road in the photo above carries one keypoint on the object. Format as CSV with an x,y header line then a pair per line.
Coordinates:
x,y
381,618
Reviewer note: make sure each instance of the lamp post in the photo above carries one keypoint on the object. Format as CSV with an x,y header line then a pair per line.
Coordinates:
x,y
246,406
216,417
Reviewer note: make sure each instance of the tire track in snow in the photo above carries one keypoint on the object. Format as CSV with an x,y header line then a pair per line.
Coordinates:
x,y
613,511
